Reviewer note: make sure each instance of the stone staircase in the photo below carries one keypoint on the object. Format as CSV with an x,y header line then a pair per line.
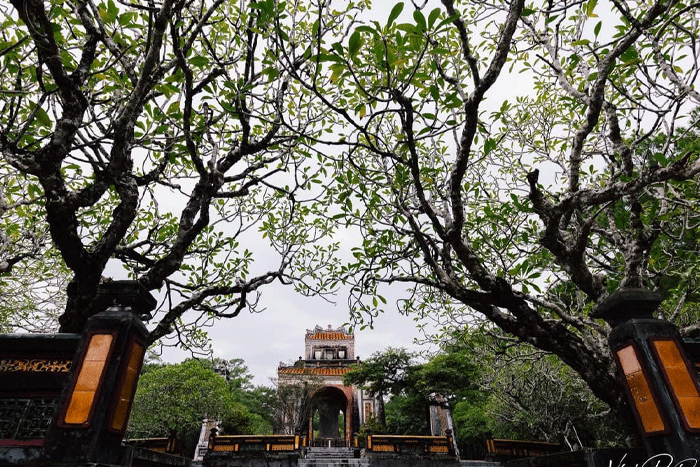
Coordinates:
x,y
331,457
344,457
479,464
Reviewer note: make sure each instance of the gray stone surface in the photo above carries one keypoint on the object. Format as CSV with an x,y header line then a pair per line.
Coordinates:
x,y
332,457
479,464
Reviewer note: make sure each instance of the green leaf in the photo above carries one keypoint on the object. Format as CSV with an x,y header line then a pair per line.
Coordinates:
x,y
368,29
590,7
629,55
596,30
409,28
434,93
448,20
395,12
355,43
581,42
126,19
527,12
173,108
199,61
33,190
110,13
420,20
660,158
338,70
489,145
43,118
434,15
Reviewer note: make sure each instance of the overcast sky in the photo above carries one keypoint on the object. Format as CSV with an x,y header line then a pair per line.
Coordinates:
x,y
263,340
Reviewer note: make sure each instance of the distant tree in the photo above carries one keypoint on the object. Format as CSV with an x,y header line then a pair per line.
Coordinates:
x,y
524,393
176,398
259,401
154,136
406,414
492,386
411,387
294,405
395,371
383,373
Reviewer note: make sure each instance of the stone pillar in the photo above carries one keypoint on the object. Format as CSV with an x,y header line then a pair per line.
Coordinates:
x,y
94,408
661,384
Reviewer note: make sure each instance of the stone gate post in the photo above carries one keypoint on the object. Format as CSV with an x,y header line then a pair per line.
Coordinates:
x,y
661,384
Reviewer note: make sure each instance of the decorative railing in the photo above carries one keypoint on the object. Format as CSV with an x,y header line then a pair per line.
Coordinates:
x,y
34,369
504,449
169,445
254,444
419,445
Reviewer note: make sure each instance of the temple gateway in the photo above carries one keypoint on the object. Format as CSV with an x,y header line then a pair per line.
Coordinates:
x,y
312,399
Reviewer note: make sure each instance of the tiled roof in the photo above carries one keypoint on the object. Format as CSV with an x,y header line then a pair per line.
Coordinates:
x,y
330,335
313,371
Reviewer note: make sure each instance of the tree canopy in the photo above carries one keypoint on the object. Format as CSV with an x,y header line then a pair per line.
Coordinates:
x,y
396,371
154,136
412,387
493,387
176,398
521,205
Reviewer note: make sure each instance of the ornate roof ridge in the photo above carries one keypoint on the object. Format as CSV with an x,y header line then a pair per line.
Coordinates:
x,y
319,332
322,371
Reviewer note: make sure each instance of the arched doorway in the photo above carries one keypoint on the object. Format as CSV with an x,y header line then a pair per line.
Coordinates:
x,y
328,425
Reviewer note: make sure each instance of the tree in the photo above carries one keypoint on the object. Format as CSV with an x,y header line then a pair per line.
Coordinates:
x,y
33,295
176,398
412,387
33,277
524,393
525,209
259,401
155,136
493,386
384,372
294,405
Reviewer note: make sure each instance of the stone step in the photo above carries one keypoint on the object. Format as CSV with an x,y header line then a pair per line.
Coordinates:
x,y
464,463
331,459
330,453
333,463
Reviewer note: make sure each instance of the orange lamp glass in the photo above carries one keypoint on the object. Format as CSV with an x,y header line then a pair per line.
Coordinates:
x,y
127,387
681,381
644,402
82,398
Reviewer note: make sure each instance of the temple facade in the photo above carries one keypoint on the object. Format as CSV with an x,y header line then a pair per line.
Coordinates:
x,y
312,398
